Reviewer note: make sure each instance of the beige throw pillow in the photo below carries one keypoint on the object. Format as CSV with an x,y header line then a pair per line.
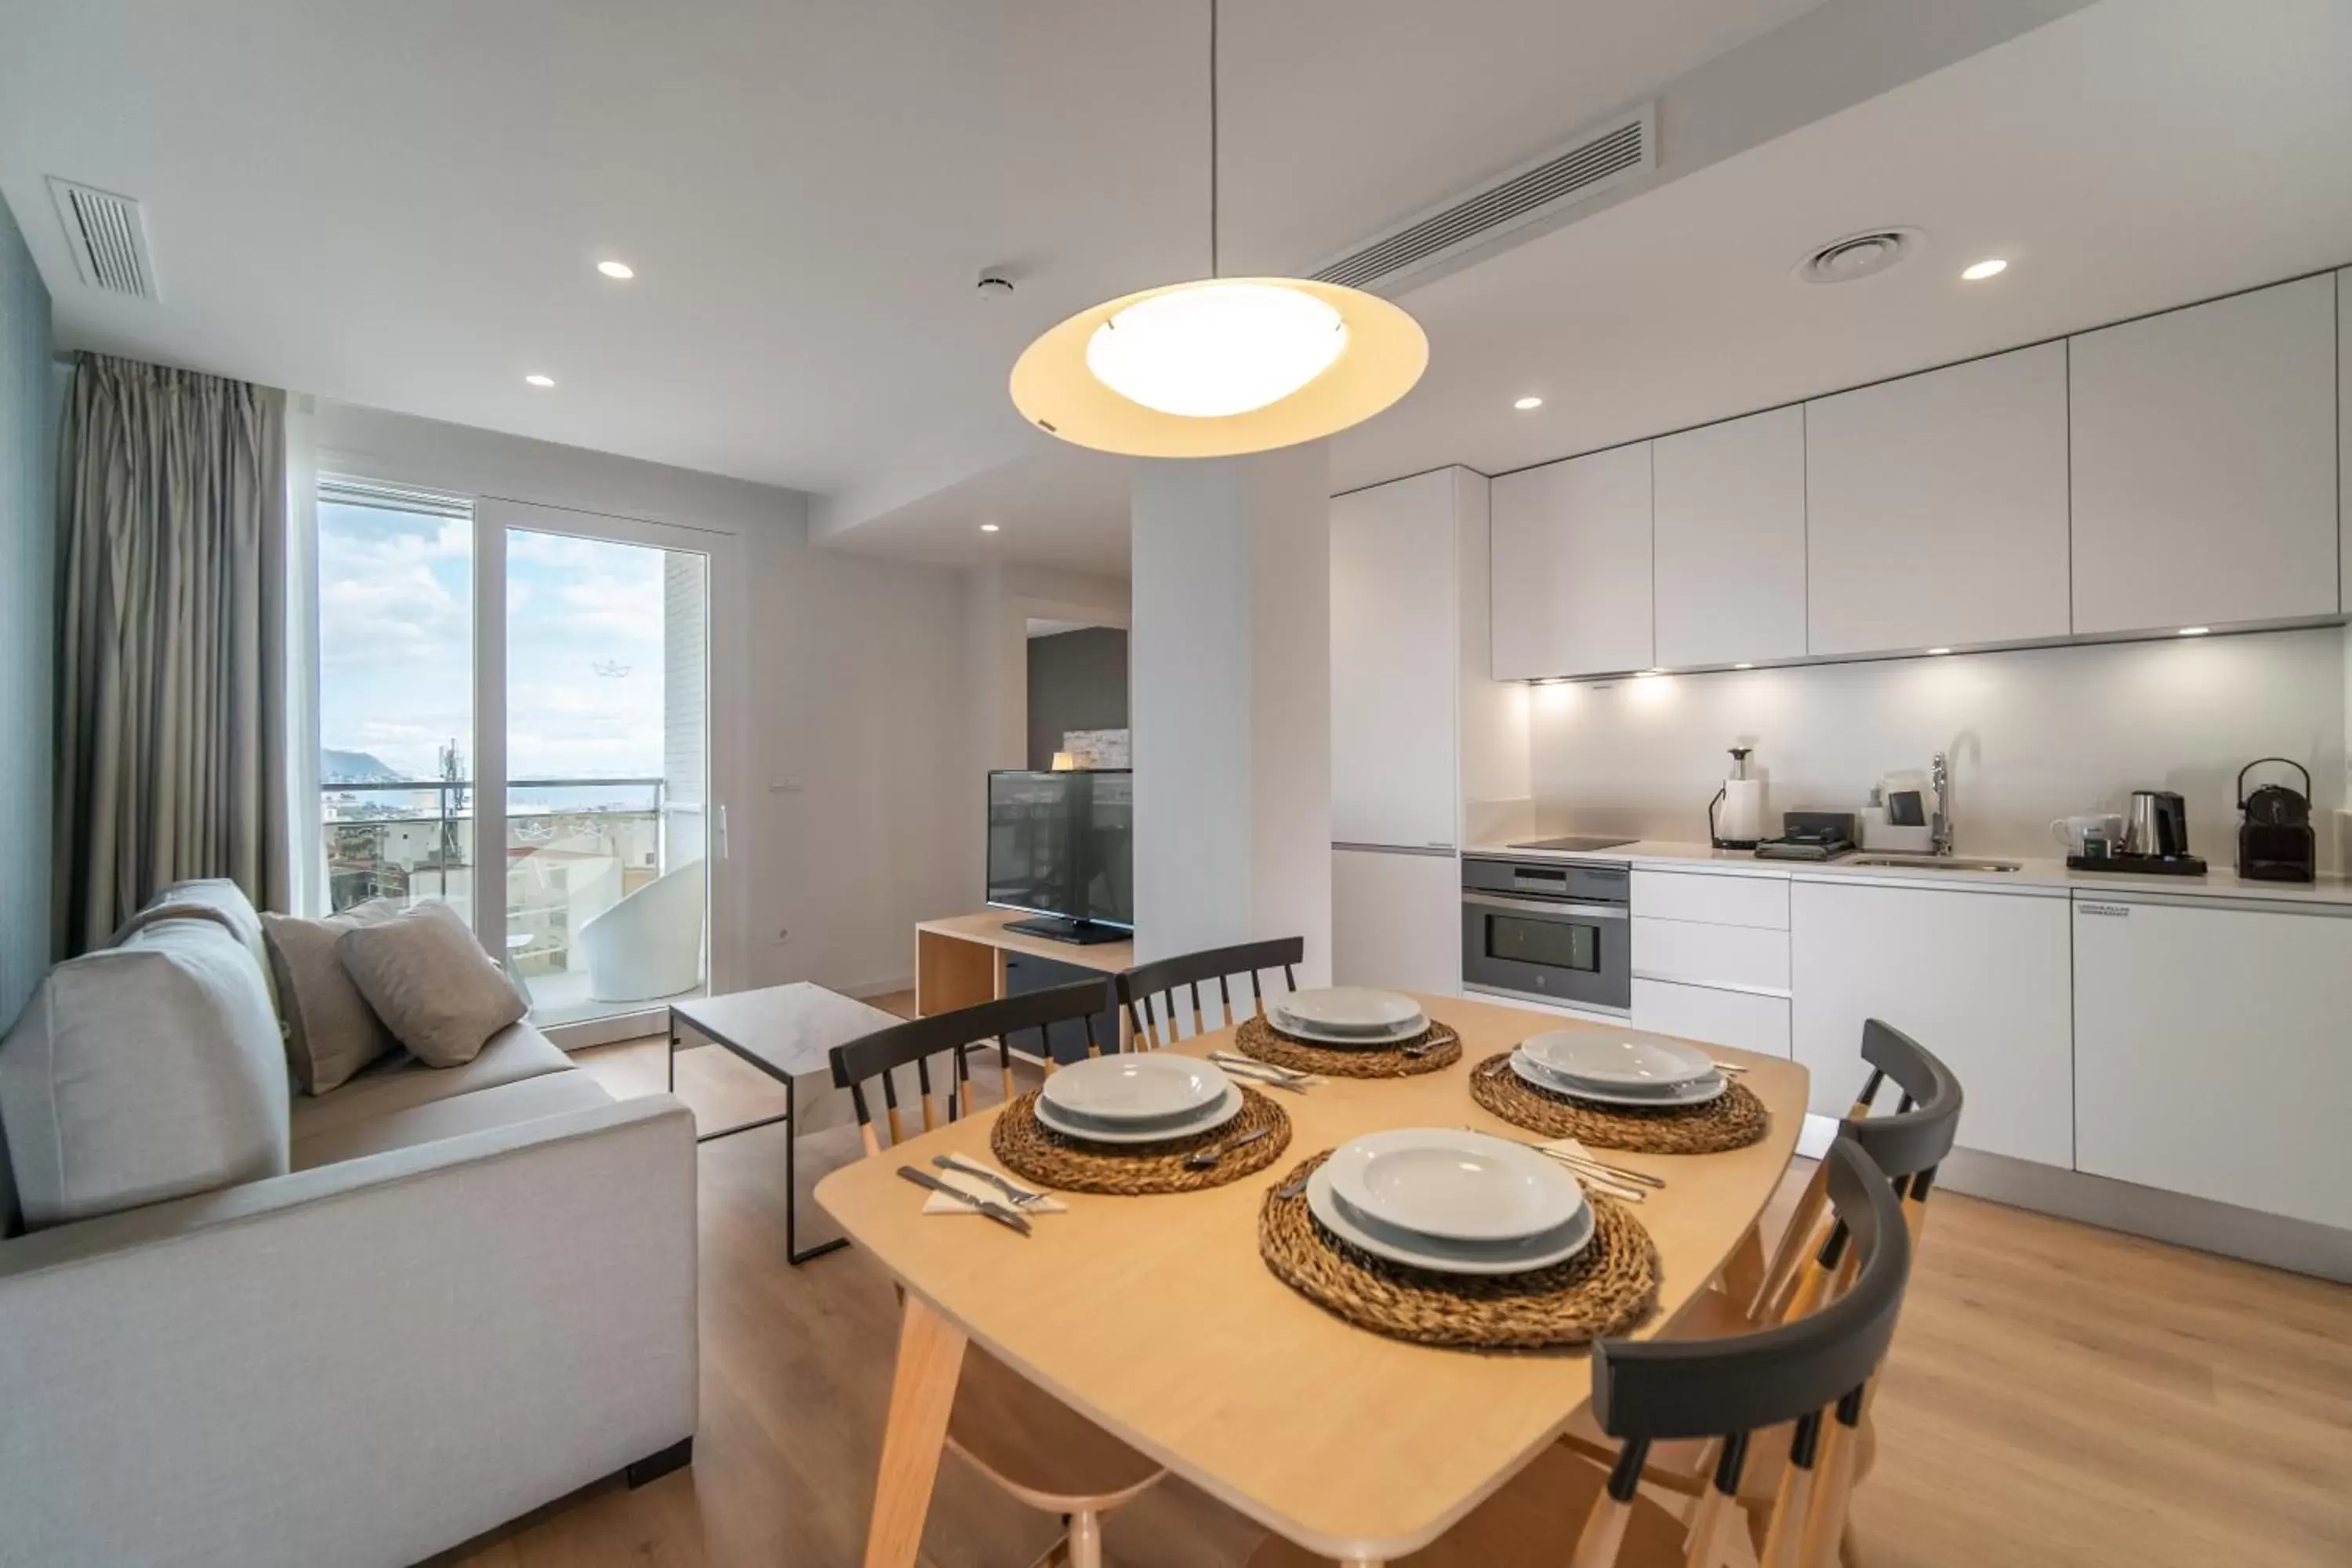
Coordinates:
x,y
330,1030
431,983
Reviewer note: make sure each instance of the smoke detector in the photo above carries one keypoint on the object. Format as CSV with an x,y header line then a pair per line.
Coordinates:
x,y
995,286
1858,256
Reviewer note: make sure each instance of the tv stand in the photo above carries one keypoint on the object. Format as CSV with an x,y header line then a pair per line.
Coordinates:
x,y
1079,933
960,959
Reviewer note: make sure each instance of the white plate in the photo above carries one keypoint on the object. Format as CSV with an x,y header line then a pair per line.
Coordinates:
x,y
1441,1255
1283,1026
1453,1184
1350,1010
1704,1089
1134,1086
1608,1060
1189,1125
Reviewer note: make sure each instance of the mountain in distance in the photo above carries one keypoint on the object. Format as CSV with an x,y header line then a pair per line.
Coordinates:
x,y
354,767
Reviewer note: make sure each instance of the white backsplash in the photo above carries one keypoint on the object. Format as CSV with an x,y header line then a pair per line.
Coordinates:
x,y
2032,735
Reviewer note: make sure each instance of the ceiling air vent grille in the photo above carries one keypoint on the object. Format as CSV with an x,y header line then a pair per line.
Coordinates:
x,y
1624,149
108,237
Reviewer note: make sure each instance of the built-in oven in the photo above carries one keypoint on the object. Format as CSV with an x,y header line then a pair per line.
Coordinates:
x,y
1551,930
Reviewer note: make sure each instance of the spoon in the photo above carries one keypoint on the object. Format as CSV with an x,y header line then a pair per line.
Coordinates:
x,y
1202,1159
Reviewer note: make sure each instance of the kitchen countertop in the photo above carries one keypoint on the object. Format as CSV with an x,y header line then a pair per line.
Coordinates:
x,y
2044,877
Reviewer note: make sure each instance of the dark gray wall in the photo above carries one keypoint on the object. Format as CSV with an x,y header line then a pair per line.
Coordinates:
x,y
27,618
1078,680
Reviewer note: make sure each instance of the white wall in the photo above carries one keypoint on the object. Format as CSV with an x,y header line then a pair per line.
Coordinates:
x,y
837,672
2033,734
1229,663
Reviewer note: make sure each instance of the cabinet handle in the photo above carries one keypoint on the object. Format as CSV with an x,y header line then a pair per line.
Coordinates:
x,y
2119,911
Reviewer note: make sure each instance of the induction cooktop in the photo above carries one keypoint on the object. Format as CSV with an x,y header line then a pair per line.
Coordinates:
x,y
1585,841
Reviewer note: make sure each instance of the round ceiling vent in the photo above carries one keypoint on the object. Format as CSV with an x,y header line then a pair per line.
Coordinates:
x,y
1859,255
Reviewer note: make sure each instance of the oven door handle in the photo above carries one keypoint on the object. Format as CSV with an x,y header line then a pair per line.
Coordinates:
x,y
1546,907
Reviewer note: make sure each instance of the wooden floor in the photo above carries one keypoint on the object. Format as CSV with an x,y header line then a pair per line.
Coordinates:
x,y
2058,1395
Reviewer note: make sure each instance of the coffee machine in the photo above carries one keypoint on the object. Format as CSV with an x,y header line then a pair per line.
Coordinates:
x,y
2276,843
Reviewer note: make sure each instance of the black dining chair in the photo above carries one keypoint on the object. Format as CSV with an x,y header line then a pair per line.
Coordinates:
x,y
1809,1376
1809,1265
1151,992
1021,1439
915,1043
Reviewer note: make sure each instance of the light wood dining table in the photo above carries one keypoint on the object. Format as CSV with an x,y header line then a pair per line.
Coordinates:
x,y
1155,1318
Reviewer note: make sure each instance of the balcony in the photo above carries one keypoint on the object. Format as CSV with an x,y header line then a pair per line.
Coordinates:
x,y
575,847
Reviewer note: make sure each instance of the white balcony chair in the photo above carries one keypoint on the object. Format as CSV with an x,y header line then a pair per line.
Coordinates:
x,y
650,944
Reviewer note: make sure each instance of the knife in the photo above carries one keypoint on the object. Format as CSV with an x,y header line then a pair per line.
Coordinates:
x,y
996,1212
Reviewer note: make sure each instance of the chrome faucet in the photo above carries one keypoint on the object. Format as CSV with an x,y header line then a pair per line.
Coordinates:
x,y
1939,827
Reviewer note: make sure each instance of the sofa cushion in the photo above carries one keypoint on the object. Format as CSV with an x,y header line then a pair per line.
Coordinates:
x,y
144,1071
330,1030
524,1100
431,982
399,1082
215,898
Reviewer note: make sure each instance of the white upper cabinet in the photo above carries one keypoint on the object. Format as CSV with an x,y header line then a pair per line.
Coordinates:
x,y
1571,567
2344,415
1935,507
1730,521
2205,453
1395,662
2205,464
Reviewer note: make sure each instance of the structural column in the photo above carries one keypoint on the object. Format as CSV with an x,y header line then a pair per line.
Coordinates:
x,y
1230,678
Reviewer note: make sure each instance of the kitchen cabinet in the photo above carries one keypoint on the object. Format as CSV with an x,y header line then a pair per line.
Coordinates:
x,y
2344,431
1396,920
1981,979
1395,593
1730,519
1571,567
2204,447
1935,507
2210,1052
1744,1020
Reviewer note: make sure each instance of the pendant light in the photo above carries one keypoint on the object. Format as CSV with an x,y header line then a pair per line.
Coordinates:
x,y
1219,366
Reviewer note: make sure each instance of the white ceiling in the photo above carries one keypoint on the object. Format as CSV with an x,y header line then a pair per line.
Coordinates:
x,y
399,205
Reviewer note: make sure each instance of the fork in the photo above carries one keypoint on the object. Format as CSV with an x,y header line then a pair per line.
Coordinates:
x,y
1021,1198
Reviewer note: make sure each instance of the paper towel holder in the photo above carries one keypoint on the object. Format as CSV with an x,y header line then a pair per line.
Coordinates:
x,y
1750,806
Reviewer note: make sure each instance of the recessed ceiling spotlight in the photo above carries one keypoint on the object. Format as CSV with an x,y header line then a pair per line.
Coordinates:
x,y
1524,404
1935,651
2194,631
620,269
1991,267
537,380
988,528
1743,666
1647,673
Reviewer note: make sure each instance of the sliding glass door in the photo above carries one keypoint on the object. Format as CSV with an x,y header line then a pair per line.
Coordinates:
x,y
514,717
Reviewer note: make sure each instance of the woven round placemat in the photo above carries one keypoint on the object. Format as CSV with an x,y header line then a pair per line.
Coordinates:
x,y
1733,1121
1605,1290
1029,1148
1440,1046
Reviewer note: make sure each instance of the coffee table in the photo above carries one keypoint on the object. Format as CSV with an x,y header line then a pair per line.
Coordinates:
x,y
787,1032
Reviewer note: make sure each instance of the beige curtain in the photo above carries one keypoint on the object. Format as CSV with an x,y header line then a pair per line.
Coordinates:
x,y
171,658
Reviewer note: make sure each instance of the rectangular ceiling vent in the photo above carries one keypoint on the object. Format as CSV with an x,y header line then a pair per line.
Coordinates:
x,y
1623,149
108,234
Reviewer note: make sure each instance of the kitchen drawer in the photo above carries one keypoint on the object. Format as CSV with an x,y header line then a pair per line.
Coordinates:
x,y
1686,951
1740,1019
1712,900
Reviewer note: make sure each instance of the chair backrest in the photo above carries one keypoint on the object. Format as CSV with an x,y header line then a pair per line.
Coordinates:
x,y
1151,992
1798,1371
882,1053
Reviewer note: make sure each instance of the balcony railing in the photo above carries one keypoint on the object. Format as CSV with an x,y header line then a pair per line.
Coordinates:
x,y
419,842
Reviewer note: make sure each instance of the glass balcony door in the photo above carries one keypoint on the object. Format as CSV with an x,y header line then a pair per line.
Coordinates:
x,y
595,762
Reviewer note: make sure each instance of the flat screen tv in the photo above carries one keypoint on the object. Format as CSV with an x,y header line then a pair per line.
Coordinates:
x,y
1061,847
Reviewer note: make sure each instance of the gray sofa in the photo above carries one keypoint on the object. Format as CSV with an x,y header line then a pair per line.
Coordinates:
x,y
413,1309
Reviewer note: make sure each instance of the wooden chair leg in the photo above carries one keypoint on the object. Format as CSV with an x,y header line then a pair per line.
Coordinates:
x,y
1849,1550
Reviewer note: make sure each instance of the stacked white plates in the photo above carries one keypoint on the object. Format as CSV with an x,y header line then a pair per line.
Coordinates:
x,y
1138,1097
1453,1201
1348,1015
1619,1070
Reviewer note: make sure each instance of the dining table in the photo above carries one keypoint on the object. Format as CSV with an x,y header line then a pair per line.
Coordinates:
x,y
1156,1317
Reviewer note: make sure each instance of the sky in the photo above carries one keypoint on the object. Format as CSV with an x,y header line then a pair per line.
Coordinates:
x,y
395,633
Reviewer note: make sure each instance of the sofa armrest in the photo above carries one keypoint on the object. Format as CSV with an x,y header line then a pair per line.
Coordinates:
x,y
369,1361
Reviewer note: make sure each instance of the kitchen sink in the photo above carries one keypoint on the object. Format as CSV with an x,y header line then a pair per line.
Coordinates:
x,y
1931,863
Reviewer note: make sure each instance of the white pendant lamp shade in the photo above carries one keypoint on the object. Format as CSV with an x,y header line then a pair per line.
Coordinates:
x,y
1219,367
